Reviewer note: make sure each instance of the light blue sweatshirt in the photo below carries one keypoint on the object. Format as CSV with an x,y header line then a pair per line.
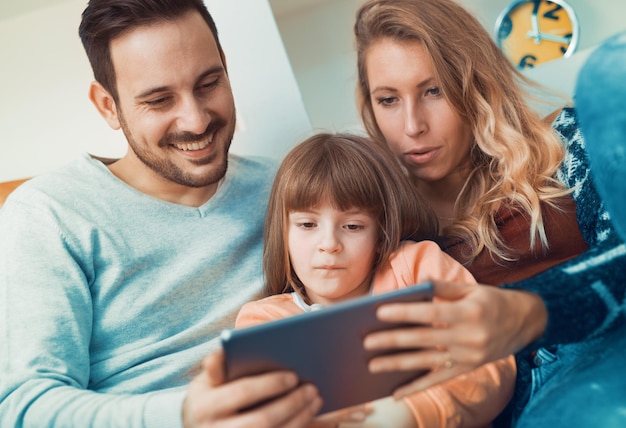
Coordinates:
x,y
108,297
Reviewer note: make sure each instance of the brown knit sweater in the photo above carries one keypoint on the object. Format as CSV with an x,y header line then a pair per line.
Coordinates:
x,y
564,238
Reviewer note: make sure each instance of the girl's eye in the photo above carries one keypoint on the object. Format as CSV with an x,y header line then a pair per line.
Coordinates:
x,y
354,227
306,225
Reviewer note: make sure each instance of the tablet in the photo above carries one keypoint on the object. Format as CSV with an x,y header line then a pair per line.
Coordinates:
x,y
325,348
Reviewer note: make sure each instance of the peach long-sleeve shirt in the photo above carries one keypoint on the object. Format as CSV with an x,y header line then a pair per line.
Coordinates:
x,y
470,400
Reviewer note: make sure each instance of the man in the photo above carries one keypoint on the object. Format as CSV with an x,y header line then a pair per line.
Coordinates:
x,y
115,277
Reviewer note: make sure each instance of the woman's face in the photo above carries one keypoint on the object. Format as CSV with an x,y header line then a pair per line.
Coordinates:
x,y
418,122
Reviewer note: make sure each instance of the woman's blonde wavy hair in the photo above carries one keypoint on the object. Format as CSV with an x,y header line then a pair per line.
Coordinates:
x,y
516,154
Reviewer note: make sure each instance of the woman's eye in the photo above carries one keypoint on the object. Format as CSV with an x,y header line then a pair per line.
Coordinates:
x,y
306,225
386,101
435,91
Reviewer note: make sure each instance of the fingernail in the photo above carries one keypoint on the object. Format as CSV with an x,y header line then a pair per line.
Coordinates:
x,y
316,404
310,392
369,343
375,367
291,380
383,312
358,416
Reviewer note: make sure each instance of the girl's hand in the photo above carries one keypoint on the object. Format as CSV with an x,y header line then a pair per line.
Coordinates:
x,y
383,413
466,326
353,415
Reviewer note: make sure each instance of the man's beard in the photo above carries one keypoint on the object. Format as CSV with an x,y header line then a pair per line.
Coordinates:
x,y
172,172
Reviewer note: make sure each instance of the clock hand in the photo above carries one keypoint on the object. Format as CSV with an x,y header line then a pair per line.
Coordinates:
x,y
534,22
553,38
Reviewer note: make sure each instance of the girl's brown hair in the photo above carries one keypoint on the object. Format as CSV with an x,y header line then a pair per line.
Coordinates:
x,y
346,171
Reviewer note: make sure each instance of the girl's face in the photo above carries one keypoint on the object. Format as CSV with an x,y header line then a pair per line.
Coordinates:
x,y
420,126
333,252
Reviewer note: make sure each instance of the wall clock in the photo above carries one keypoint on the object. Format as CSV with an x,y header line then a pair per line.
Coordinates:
x,y
533,32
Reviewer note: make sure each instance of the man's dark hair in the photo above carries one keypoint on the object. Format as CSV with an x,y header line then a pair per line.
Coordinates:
x,y
104,20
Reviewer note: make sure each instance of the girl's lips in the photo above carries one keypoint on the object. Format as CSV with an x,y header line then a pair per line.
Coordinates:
x,y
328,267
423,156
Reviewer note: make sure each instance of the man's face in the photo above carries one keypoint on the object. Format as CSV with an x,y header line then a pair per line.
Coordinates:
x,y
175,104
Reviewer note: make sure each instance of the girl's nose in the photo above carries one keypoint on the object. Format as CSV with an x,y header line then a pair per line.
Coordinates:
x,y
329,242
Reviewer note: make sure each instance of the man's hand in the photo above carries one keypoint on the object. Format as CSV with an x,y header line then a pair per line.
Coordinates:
x,y
466,326
267,400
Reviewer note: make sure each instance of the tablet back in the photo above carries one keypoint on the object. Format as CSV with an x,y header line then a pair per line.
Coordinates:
x,y
323,347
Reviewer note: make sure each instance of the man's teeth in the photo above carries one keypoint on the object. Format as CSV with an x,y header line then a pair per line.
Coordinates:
x,y
193,146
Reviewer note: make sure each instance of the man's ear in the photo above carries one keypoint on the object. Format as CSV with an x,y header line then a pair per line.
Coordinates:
x,y
105,104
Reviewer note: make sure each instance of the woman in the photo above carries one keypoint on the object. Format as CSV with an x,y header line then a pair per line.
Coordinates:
x,y
437,90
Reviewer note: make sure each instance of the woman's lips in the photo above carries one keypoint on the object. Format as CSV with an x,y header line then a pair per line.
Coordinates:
x,y
422,156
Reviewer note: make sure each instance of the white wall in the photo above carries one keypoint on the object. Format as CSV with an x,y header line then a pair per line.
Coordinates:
x,y
46,119
318,40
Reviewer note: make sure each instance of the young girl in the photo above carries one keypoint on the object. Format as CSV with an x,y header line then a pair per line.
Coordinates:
x,y
337,222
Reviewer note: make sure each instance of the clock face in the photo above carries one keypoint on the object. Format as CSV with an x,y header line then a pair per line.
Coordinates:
x,y
532,32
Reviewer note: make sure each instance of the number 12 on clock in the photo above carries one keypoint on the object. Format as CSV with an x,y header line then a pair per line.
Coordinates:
x,y
533,32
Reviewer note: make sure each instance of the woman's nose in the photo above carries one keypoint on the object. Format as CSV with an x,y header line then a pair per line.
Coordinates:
x,y
414,123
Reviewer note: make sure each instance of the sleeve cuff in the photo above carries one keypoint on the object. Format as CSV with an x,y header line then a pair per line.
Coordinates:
x,y
164,409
